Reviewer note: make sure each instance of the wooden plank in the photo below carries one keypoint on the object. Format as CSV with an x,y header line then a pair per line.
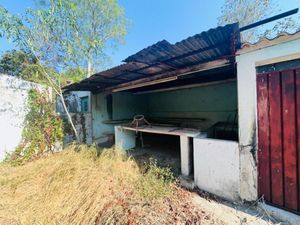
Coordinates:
x,y
187,86
263,137
276,139
289,140
297,77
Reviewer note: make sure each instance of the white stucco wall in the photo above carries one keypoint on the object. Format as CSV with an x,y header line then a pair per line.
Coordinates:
x,y
216,167
13,95
247,108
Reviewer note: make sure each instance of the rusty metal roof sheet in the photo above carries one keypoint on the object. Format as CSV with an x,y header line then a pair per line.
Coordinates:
x,y
164,57
201,47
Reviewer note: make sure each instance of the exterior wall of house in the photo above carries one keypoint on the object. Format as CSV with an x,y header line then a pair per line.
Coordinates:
x,y
82,120
73,102
13,97
83,125
247,109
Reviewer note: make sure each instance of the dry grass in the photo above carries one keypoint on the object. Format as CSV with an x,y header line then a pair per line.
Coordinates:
x,y
81,187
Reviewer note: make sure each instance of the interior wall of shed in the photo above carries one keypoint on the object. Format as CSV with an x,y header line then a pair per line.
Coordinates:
x,y
125,105
102,132
213,103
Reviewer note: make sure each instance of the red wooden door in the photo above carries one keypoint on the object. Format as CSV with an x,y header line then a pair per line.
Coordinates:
x,y
278,110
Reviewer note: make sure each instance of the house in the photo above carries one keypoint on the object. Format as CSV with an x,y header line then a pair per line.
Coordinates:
x,y
230,108
79,106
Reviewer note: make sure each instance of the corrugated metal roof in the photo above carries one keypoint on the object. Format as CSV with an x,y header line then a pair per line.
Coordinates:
x,y
164,57
202,47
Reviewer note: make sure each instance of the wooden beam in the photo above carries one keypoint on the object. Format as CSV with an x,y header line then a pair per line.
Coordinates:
x,y
179,72
187,86
97,82
164,80
106,78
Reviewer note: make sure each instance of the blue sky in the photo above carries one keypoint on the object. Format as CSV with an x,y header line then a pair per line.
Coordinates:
x,y
154,20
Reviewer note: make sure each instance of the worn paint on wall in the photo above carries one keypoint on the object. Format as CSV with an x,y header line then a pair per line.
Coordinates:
x,y
101,132
216,167
126,105
13,97
83,125
214,103
247,110
81,120
72,101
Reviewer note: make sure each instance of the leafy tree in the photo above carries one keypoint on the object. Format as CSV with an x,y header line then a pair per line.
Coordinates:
x,y
24,65
77,32
14,62
249,11
72,75
64,33
34,73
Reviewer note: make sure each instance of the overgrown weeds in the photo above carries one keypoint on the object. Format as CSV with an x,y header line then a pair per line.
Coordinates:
x,y
83,185
42,129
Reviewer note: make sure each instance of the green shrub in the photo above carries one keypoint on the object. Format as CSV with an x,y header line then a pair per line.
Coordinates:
x,y
155,182
42,129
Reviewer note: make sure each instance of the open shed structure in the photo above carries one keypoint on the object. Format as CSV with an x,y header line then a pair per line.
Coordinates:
x,y
213,102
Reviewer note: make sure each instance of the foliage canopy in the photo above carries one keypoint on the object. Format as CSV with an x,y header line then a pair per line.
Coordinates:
x,y
14,62
74,33
249,11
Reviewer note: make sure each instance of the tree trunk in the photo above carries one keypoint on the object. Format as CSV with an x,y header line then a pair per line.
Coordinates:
x,y
89,65
69,117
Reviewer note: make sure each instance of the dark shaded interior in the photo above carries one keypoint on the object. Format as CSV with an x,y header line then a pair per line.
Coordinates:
x,y
165,149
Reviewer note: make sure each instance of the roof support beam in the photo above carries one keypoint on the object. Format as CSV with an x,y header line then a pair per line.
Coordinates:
x,y
175,73
96,76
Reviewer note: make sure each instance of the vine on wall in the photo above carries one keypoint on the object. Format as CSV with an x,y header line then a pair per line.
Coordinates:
x,y
43,129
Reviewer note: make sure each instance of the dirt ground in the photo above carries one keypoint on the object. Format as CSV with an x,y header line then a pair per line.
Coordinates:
x,y
231,214
167,154
235,213
165,151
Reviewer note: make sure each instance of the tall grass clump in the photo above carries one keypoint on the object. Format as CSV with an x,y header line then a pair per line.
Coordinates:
x,y
85,185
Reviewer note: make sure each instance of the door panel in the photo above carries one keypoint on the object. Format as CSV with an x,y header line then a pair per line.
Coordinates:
x,y
278,96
